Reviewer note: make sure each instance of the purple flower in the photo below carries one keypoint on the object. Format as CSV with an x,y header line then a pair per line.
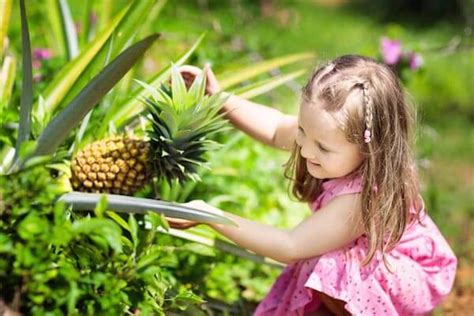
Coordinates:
x,y
416,61
41,53
391,50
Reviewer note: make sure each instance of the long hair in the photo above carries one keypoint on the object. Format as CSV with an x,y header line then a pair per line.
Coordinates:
x,y
367,97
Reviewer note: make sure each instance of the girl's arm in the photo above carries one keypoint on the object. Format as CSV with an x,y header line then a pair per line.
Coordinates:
x,y
261,122
330,228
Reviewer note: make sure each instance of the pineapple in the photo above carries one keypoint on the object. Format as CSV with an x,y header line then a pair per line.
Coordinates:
x,y
115,165
181,120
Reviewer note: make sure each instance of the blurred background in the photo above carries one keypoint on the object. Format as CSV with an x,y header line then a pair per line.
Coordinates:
x,y
429,43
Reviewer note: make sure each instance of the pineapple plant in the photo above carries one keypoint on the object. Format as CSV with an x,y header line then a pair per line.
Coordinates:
x,y
181,118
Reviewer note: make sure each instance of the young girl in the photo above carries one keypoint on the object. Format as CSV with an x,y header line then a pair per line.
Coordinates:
x,y
369,248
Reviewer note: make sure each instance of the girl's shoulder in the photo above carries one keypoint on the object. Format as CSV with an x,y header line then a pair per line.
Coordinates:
x,y
350,184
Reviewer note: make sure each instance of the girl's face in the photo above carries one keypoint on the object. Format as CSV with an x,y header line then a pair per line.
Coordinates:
x,y
326,150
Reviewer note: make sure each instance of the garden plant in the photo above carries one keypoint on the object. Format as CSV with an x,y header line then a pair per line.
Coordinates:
x,y
101,139
56,260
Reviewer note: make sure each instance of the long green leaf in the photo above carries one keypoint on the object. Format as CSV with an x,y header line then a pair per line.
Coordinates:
x,y
58,129
105,8
7,78
26,101
196,235
6,159
228,80
86,23
251,91
5,11
133,107
123,35
69,30
81,201
122,94
66,78
56,35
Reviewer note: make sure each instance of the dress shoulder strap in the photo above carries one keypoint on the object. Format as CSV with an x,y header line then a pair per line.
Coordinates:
x,y
350,184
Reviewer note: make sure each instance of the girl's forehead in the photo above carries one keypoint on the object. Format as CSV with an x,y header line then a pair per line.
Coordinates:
x,y
321,125
315,117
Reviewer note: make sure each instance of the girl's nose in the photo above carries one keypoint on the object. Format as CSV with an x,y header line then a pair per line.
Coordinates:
x,y
308,150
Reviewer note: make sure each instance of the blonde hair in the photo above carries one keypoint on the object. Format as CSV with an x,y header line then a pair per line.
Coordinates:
x,y
363,95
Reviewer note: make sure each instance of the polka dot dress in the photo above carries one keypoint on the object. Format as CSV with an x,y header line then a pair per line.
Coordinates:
x,y
420,272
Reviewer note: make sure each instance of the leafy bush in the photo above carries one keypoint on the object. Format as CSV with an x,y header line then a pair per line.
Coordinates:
x,y
57,262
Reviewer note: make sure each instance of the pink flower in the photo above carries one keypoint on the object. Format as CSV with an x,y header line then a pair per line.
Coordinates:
x,y
391,50
416,61
41,53
93,17
36,64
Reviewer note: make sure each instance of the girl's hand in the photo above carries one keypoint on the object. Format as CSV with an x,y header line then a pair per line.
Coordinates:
x,y
189,73
179,223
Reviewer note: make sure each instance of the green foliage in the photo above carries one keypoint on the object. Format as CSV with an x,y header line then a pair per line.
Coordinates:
x,y
54,261
233,185
57,262
448,77
246,180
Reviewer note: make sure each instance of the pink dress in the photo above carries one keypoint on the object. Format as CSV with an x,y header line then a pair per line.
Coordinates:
x,y
423,269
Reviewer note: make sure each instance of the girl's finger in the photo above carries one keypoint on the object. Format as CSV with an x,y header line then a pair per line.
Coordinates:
x,y
212,83
180,223
190,69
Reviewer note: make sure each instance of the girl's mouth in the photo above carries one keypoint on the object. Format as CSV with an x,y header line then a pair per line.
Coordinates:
x,y
309,162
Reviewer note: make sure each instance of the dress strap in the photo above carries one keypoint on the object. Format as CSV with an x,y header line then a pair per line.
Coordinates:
x,y
350,184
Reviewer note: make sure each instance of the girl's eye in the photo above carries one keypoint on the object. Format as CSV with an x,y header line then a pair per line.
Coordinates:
x,y
323,149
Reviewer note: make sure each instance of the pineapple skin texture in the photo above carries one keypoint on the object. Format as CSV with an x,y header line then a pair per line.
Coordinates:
x,y
118,165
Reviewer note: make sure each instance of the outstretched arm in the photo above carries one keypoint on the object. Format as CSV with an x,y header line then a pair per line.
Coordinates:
x,y
332,227
261,122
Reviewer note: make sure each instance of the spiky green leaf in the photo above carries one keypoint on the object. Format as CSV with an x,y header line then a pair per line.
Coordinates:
x,y
133,107
230,79
69,74
69,30
58,129
26,101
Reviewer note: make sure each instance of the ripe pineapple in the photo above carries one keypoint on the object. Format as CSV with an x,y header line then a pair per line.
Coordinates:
x,y
113,165
181,119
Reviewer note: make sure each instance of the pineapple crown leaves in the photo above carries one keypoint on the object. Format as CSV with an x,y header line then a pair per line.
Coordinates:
x,y
178,112
181,121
